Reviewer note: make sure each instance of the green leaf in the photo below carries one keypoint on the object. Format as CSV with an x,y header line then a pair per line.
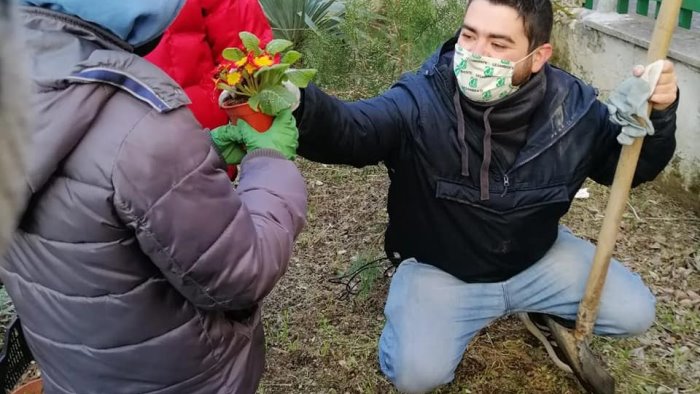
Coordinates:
x,y
271,70
254,102
250,41
272,101
301,77
276,46
291,57
233,54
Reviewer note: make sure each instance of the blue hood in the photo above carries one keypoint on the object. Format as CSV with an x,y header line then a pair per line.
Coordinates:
x,y
134,21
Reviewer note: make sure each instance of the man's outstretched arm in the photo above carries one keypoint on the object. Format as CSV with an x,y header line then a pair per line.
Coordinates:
x,y
358,133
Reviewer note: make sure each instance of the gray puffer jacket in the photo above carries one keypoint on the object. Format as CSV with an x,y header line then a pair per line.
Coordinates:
x,y
13,130
137,268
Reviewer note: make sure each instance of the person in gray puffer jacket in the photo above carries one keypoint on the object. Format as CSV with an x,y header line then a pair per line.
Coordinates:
x,y
137,267
13,120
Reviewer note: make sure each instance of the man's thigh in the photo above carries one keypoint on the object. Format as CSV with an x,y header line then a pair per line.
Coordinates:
x,y
556,284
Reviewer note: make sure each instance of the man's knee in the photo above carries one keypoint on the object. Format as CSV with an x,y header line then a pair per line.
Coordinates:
x,y
416,376
411,372
635,318
642,316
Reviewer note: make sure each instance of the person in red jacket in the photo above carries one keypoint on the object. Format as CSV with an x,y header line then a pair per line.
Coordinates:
x,y
191,48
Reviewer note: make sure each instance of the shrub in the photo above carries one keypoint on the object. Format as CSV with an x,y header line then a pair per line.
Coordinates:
x,y
293,20
378,41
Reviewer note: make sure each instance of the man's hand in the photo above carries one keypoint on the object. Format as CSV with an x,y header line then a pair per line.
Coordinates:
x,y
666,90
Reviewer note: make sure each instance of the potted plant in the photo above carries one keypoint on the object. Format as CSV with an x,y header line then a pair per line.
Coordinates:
x,y
253,80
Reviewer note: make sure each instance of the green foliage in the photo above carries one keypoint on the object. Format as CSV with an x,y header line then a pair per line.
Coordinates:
x,y
300,77
378,41
368,273
250,42
7,310
272,100
233,54
295,19
291,57
276,46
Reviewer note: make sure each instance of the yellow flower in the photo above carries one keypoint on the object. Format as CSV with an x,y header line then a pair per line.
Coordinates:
x,y
241,62
233,78
264,60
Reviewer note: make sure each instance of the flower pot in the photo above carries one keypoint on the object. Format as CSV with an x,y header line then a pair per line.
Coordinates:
x,y
258,120
33,387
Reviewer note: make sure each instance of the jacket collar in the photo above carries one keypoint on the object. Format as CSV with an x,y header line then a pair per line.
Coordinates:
x,y
77,27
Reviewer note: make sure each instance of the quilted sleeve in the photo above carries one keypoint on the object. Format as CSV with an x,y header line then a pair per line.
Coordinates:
x,y
222,249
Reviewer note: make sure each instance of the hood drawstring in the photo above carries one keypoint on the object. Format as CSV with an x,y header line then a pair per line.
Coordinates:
x,y
464,150
484,174
461,134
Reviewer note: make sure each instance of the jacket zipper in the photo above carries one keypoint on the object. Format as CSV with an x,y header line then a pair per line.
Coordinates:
x,y
506,183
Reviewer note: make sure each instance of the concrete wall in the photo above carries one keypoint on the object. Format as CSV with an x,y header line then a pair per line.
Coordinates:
x,y
602,48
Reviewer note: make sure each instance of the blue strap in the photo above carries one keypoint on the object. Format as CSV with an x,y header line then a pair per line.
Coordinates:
x,y
125,82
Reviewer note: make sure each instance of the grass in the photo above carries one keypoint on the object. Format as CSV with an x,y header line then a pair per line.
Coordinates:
x,y
6,312
664,359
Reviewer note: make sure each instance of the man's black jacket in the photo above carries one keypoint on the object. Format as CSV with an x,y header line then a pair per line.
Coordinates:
x,y
436,213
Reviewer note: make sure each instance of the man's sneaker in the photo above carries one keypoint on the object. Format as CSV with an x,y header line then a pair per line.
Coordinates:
x,y
534,322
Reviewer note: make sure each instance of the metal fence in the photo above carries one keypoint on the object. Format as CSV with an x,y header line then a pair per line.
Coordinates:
x,y
685,19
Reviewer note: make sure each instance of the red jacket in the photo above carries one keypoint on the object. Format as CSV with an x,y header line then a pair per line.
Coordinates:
x,y
191,48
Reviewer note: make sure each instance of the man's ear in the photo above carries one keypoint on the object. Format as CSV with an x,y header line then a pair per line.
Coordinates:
x,y
541,56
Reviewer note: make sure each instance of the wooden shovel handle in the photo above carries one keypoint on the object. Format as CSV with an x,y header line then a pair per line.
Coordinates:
x,y
626,166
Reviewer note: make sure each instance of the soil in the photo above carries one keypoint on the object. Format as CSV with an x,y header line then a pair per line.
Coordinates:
x,y
318,343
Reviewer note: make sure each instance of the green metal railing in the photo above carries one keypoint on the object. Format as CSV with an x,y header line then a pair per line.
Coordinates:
x,y
684,19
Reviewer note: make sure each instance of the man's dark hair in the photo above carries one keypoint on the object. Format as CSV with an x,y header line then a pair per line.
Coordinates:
x,y
537,18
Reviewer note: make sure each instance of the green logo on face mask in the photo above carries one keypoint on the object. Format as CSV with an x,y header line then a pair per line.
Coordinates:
x,y
501,81
505,62
486,95
472,82
461,66
503,94
488,71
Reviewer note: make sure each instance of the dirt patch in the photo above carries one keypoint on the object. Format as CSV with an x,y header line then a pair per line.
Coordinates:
x,y
319,344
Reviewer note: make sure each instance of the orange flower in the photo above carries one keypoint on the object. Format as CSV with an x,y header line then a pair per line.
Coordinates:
x,y
250,68
233,78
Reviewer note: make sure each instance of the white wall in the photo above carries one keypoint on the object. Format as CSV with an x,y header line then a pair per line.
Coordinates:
x,y
602,48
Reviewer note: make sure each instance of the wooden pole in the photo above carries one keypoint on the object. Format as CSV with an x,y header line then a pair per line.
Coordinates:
x,y
626,166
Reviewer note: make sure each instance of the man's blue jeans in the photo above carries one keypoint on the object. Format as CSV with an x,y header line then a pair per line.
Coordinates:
x,y
431,316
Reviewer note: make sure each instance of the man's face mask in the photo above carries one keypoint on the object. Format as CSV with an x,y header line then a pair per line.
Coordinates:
x,y
484,79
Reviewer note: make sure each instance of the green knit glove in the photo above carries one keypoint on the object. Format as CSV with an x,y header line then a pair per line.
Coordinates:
x,y
228,140
282,136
